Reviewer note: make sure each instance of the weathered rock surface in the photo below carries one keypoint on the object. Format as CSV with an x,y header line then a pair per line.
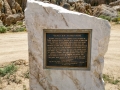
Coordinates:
x,y
105,10
81,6
22,3
1,6
98,2
66,6
9,7
116,3
39,16
117,8
1,23
71,1
12,19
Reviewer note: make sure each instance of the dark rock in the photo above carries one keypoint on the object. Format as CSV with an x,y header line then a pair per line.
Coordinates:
x,y
59,2
71,2
22,3
98,2
66,6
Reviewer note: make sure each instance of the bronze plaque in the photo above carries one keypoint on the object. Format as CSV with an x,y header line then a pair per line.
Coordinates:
x,y
67,49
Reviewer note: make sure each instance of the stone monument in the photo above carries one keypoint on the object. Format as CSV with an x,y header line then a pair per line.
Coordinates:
x,y
66,48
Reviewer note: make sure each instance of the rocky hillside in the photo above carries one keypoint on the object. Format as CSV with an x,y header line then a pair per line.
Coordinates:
x,y
22,3
12,11
98,2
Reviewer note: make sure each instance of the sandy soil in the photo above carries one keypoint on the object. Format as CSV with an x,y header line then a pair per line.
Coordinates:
x,y
19,80
112,57
13,46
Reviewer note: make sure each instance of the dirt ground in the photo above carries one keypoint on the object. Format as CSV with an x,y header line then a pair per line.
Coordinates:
x,y
112,58
19,80
13,46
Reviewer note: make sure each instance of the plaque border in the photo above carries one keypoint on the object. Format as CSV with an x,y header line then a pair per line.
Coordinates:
x,y
89,31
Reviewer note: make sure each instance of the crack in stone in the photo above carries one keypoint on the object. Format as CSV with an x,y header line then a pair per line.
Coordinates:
x,y
46,10
64,20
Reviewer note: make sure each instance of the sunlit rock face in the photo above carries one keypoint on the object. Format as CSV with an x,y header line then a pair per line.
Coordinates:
x,y
39,16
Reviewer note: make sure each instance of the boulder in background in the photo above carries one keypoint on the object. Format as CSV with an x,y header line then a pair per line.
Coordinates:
x,y
105,10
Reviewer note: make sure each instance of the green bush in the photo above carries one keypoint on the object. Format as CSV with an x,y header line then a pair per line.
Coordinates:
x,y
20,29
117,19
115,82
19,23
109,79
8,28
3,29
10,69
105,17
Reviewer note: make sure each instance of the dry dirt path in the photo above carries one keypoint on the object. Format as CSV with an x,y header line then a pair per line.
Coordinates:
x,y
112,58
13,46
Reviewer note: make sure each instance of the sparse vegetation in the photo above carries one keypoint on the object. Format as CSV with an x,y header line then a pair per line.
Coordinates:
x,y
10,69
3,29
26,74
15,72
105,17
19,23
24,87
117,19
109,79
20,29
8,28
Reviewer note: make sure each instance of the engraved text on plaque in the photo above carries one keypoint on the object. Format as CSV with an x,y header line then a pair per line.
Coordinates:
x,y
69,50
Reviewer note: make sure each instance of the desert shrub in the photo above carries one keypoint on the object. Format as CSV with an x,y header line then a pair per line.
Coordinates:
x,y
26,74
105,17
19,29
10,69
117,19
19,23
109,79
106,78
24,87
115,82
9,28
3,29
